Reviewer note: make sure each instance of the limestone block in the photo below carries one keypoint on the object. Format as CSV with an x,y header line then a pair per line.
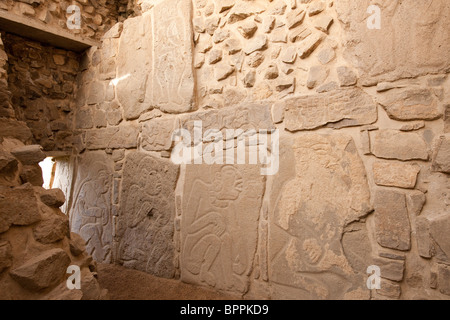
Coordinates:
x,y
43,271
136,41
441,157
439,226
6,257
393,174
52,229
391,144
321,188
444,279
90,213
391,220
219,227
406,27
343,108
32,174
172,72
410,104
122,137
29,155
245,117
15,129
147,214
390,269
157,134
18,206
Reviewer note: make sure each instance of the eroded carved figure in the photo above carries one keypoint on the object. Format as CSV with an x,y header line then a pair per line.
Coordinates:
x,y
90,215
147,214
219,225
321,189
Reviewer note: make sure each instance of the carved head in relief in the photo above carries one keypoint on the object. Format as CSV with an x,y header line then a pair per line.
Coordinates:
x,y
228,183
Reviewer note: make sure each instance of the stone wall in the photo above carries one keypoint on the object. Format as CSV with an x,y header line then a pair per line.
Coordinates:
x,y
363,176
363,122
42,80
36,245
97,16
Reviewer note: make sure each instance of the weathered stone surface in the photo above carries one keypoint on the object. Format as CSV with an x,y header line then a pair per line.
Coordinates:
x,y
413,126
218,243
302,254
391,144
344,108
64,171
323,23
390,269
244,10
307,46
356,247
52,229
295,18
391,220
258,43
444,279
172,72
77,244
15,129
346,76
54,198
18,206
223,71
393,174
415,202
32,174
122,137
8,164
424,244
147,213
380,54
90,213
6,257
389,289
43,271
410,104
441,157
157,134
447,118
248,29
439,226
29,155
245,117
134,74
317,76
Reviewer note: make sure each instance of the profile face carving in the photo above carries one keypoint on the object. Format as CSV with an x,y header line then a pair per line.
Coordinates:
x,y
229,183
151,182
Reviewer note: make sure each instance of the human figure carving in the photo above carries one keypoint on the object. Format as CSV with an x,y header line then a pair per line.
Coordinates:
x,y
90,214
213,231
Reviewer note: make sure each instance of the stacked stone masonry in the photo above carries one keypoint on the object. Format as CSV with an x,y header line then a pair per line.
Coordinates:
x,y
364,146
97,16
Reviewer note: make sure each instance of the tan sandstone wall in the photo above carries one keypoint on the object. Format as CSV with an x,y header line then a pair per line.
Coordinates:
x,y
97,16
42,80
363,117
36,245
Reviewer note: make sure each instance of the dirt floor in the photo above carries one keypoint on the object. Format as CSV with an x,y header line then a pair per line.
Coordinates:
x,y
127,284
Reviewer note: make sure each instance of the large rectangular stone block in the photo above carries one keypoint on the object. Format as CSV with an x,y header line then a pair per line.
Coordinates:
x,y
338,109
219,227
147,213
